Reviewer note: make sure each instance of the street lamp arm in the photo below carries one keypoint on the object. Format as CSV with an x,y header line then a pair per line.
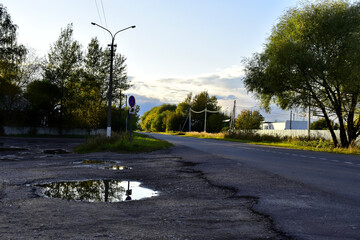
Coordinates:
x,y
112,36
124,30
95,24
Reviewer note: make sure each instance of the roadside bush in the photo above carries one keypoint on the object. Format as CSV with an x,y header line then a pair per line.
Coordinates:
x,y
313,143
253,136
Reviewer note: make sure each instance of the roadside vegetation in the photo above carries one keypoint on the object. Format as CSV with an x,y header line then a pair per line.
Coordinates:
x,y
171,117
314,50
121,143
301,143
65,89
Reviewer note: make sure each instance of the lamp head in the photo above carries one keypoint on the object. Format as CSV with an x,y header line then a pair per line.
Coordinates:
x,y
133,26
93,23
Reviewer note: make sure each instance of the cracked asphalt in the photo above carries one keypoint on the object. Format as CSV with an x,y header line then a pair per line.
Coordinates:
x,y
193,202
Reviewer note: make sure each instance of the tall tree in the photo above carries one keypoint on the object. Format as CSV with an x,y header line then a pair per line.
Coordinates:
x,y
312,58
121,82
11,57
200,102
91,107
43,97
62,69
248,120
30,70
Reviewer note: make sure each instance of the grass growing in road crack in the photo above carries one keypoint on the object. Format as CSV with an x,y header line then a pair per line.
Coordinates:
x,y
121,143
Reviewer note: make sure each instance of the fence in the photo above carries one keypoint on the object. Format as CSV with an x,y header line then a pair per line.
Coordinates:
x,y
325,134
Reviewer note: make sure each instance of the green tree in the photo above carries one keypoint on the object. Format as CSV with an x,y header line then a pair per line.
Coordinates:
x,y
184,107
311,58
11,57
174,122
91,108
160,121
62,69
30,69
248,120
200,102
322,125
155,119
121,83
43,97
215,123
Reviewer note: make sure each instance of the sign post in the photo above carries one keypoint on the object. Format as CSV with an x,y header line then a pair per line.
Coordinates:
x,y
131,112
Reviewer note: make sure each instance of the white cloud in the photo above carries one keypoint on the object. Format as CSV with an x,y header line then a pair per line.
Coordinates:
x,y
225,84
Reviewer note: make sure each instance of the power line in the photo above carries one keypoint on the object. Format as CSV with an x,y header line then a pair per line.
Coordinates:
x,y
101,21
97,8
205,110
102,6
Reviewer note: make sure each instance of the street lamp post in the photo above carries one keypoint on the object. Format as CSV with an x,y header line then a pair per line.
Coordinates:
x,y
108,129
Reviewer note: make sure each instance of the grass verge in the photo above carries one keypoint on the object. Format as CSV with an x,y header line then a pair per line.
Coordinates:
x,y
319,145
121,143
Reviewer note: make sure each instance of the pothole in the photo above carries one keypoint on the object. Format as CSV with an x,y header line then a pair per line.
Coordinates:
x,y
11,149
56,151
96,190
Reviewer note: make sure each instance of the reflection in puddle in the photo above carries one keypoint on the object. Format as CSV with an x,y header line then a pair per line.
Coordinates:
x,y
96,191
88,161
103,164
116,167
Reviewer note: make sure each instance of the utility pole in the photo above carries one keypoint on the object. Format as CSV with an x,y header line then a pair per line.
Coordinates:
x,y
232,123
205,120
309,119
190,120
127,114
108,129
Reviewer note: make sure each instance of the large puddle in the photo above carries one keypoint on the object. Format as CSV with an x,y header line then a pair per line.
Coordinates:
x,y
96,191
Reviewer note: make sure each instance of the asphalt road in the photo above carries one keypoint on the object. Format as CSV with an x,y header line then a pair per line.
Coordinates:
x,y
309,195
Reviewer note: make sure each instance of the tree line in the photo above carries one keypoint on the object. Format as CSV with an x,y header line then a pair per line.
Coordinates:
x,y
66,89
171,117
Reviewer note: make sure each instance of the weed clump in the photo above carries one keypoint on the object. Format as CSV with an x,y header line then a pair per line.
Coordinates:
x,y
253,136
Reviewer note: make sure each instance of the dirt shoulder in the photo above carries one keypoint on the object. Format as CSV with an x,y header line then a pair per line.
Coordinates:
x,y
189,206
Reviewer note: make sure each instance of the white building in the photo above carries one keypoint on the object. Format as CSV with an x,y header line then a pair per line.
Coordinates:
x,y
287,125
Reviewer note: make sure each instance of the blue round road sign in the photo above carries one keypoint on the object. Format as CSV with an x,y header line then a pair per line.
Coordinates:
x,y
132,101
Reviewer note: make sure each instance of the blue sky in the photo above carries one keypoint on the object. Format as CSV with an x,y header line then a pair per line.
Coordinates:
x,y
177,47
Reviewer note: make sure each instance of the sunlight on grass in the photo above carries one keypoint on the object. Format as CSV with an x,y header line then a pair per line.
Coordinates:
x,y
121,143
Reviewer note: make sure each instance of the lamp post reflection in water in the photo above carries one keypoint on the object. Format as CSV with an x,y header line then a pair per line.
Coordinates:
x,y
95,190
106,183
128,192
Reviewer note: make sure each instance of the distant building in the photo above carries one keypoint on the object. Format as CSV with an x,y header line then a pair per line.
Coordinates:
x,y
287,125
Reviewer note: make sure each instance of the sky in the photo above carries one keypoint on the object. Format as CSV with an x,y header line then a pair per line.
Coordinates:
x,y
177,47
